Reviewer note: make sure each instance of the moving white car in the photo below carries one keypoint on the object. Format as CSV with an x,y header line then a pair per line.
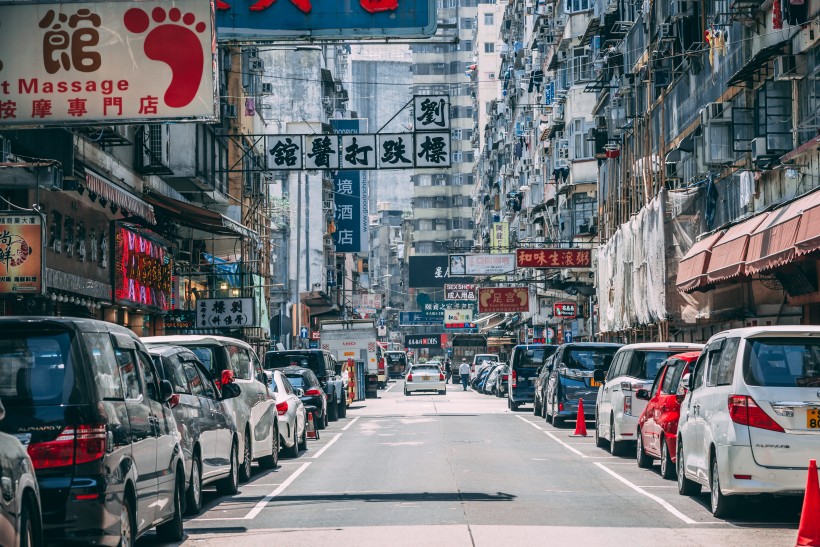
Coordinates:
x,y
633,367
292,415
750,421
425,377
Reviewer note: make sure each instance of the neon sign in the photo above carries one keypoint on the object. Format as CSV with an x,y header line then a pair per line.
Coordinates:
x,y
143,269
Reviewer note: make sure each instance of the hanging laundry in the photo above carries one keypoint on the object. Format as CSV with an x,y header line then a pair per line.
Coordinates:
x,y
747,188
777,15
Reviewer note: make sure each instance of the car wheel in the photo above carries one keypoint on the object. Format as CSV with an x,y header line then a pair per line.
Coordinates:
x,y
599,441
303,440
343,408
536,408
667,465
193,497
615,447
332,410
557,421
644,459
272,461
513,405
30,532
247,459
293,451
126,524
172,530
686,487
230,484
722,506
406,393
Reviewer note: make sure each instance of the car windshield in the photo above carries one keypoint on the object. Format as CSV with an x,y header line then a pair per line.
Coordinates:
x,y
647,364
296,380
207,356
426,369
36,369
783,362
395,357
590,358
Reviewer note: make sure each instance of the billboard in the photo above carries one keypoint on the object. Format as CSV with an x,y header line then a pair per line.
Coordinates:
x,y
268,20
107,62
565,310
350,189
504,299
21,253
459,291
432,271
554,258
434,311
500,237
482,264
422,341
459,319
230,313
415,318
143,268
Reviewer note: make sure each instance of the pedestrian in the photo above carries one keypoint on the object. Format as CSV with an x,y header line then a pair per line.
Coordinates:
x,y
464,370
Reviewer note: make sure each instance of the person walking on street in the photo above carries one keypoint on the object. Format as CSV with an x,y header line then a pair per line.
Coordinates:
x,y
464,371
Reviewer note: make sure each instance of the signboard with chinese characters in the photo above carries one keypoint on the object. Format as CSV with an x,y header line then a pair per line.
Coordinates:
x,y
500,237
367,301
143,268
21,253
321,152
268,20
285,152
226,313
422,341
431,112
459,319
459,291
434,311
554,258
482,264
414,318
565,310
107,62
396,151
432,271
179,319
350,187
432,150
503,299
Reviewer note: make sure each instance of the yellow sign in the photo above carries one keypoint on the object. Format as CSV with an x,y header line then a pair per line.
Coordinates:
x,y
21,253
500,237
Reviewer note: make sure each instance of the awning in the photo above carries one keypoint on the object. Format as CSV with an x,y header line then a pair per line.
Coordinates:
x,y
592,30
807,238
729,254
126,201
757,63
773,243
692,269
200,218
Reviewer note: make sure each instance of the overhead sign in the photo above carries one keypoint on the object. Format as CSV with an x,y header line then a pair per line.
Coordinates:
x,y
554,258
351,217
367,301
215,313
431,112
434,311
21,253
481,264
422,341
267,20
459,291
415,318
107,62
500,237
459,319
565,310
432,271
143,268
503,299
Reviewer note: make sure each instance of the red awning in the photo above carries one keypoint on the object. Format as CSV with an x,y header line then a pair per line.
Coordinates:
x,y
807,238
692,269
773,243
126,201
729,255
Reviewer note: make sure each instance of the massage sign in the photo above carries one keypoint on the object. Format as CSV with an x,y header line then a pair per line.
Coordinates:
x,y
106,62
143,269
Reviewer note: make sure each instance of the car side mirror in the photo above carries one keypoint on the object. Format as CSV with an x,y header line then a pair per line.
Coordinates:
x,y
642,394
231,391
166,390
599,375
687,380
300,392
682,390
268,377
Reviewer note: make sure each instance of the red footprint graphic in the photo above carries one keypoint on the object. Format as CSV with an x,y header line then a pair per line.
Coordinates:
x,y
175,44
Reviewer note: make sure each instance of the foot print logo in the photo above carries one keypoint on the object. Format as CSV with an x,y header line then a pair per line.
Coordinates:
x,y
175,43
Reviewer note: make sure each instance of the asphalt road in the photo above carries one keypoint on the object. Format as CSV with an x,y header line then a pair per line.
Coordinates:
x,y
461,469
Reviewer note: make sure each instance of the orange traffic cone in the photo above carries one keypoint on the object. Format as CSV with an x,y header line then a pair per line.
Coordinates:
x,y
808,533
581,422
311,427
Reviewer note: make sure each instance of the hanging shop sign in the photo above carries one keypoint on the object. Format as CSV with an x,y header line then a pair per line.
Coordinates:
x,y
432,271
107,62
414,319
367,301
503,299
481,264
500,237
228,313
565,310
21,253
179,319
143,268
434,311
351,197
459,319
554,258
422,341
459,291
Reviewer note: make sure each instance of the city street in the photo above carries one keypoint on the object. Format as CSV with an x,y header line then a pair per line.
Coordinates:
x,y
462,469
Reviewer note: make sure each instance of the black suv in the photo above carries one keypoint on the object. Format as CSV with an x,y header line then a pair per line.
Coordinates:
x,y
100,433
323,366
309,390
525,362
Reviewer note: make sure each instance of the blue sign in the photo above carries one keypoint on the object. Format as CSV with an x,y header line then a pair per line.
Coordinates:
x,y
411,318
266,20
304,332
567,337
350,190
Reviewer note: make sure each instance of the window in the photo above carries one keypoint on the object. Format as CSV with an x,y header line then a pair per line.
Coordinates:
x,y
466,23
240,362
580,65
194,379
490,76
467,45
613,369
655,387
645,365
722,364
128,373
582,147
489,47
148,376
175,373
208,389
489,19
699,372
36,368
578,5
583,212
668,379
782,362
103,363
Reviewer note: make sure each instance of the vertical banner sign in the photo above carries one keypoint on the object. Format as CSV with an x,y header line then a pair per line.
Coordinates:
x,y
350,190
21,253
500,237
143,268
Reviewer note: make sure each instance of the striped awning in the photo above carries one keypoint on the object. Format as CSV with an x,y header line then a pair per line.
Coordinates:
x,y
128,203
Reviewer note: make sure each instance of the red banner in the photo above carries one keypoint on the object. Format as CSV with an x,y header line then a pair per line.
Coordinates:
x,y
501,299
554,258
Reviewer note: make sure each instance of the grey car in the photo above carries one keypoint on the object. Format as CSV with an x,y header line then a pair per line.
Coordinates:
x,y
20,522
206,427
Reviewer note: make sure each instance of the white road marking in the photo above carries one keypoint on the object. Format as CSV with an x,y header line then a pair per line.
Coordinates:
x,y
526,421
281,488
565,445
266,485
389,388
353,421
666,505
328,445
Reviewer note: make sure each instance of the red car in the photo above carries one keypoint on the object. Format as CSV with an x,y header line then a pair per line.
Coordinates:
x,y
658,424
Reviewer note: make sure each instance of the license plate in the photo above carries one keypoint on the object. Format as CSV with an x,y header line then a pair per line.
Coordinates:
x,y
532,378
813,418
593,383
425,378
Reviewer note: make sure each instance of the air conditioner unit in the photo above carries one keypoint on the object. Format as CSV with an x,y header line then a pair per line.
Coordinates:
x,y
267,88
789,67
716,112
807,37
256,64
760,150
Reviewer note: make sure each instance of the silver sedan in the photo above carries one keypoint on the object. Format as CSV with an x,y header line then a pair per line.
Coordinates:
x,y
292,417
425,377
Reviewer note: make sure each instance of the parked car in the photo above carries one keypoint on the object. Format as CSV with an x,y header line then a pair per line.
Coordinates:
x,y
502,381
490,384
207,430
658,423
481,374
396,363
312,393
20,521
479,359
86,398
525,362
750,421
425,377
634,367
322,364
254,411
572,369
292,417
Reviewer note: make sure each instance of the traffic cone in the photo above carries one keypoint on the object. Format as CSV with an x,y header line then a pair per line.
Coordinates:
x,y
581,422
311,427
808,533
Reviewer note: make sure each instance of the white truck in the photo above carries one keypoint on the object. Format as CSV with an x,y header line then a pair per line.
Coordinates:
x,y
356,339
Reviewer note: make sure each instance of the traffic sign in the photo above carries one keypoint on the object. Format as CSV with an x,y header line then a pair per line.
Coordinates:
x,y
303,333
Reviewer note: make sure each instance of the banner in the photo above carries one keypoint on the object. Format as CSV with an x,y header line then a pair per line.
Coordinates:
x,y
350,188
21,253
229,313
504,299
482,264
432,271
500,237
554,258
431,341
459,291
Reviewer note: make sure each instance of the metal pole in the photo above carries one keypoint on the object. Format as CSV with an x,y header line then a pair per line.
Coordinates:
x,y
298,253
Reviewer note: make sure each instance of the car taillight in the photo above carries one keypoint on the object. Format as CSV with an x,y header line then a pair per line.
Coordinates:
x,y
381,363
282,407
83,444
514,379
409,377
505,377
631,386
313,393
440,377
744,411
628,404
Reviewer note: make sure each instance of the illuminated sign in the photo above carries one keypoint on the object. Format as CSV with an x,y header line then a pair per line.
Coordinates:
x,y
459,291
554,258
565,309
21,253
504,299
143,268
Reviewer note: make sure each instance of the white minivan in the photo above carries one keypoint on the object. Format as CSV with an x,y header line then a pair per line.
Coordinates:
x,y
750,421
